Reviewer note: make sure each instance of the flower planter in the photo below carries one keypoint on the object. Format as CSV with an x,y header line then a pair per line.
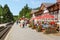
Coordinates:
x,y
39,29
33,27
43,30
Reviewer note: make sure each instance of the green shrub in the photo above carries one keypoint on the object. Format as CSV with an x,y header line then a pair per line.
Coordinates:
x,y
49,31
42,22
53,31
33,27
39,29
30,25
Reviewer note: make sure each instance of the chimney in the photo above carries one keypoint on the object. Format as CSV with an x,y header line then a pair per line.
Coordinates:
x,y
58,0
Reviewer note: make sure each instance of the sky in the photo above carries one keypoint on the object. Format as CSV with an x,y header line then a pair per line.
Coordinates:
x,y
17,5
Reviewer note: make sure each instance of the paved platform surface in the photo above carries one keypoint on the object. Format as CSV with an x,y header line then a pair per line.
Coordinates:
x,y
18,33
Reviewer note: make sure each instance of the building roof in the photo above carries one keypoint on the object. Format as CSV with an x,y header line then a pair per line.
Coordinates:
x,y
48,4
45,4
33,11
58,0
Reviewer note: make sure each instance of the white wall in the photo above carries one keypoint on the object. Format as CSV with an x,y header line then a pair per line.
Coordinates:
x,y
59,15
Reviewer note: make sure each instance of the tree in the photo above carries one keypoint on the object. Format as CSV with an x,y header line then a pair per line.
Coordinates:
x,y
25,12
15,17
1,13
8,16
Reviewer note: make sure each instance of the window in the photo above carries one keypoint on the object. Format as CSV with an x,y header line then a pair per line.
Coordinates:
x,y
55,12
52,13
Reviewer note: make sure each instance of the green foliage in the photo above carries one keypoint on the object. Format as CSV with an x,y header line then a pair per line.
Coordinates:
x,y
32,25
39,29
25,12
1,13
6,13
15,17
1,10
42,22
49,31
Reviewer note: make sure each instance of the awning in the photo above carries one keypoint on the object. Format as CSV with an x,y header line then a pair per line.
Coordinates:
x,y
46,16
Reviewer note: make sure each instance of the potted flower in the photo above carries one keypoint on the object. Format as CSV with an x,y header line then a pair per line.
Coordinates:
x,y
39,28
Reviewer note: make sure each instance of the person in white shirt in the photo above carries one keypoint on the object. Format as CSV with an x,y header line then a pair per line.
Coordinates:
x,y
22,23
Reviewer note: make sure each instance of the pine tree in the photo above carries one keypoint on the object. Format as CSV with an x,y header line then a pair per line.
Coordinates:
x,y
7,14
1,13
25,12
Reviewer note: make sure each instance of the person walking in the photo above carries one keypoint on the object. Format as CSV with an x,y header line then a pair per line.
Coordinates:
x,y
22,23
17,22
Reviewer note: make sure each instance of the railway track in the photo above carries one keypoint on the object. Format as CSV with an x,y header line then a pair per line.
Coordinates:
x,y
4,31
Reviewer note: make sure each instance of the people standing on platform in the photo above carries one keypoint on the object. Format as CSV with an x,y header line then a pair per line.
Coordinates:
x,y
27,23
17,22
22,23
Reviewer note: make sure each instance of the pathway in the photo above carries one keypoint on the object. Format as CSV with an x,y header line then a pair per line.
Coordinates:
x,y
18,33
